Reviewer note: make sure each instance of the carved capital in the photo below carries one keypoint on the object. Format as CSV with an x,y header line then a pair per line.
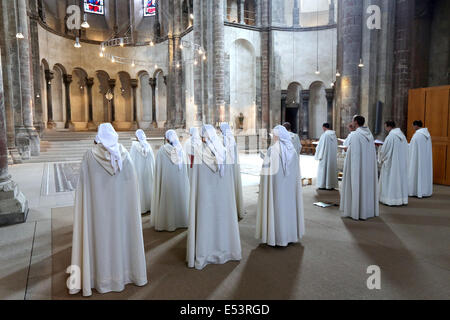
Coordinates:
x,y
67,79
134,83
89,82
49,75
112,83
152,82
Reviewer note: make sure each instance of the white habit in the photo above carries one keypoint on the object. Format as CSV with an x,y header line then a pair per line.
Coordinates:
x,y
190,146
107,242
144,162
280,217
420,166
171,187
213,236
296,142
359,192
232,159
394,171
326,153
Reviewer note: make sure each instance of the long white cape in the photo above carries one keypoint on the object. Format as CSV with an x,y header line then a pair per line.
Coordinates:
x,y
420,165
326,153
145,170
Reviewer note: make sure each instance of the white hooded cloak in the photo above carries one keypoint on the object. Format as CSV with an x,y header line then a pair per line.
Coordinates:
x,y
107,245
280,216
359,191
171,187
420,166
326,153
394,171
144,162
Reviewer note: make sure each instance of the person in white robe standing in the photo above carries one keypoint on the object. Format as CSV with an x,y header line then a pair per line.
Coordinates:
x,y
295,138
213,236
326,153
107,245
280,216
144,162
420,162
190,146
171,187
232,159
359,192
393,156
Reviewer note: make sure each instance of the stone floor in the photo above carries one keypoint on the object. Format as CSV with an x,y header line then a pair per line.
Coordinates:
x,y
411,245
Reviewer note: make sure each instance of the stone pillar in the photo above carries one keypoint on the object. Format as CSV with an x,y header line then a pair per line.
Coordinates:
x,y
13,205
349,53
198,80
219,68
296,14
331,13
89,84
152,82
304,122
112,85
330,98
67,79
240,4
265,65
49,75
134,85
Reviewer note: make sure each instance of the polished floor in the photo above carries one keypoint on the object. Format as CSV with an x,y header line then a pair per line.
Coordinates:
x,y
411,245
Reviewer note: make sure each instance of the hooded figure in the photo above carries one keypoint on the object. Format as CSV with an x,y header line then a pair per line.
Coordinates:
x,y
232,158
213,236
359,190
394,171
107,245
280,216
191,145
171,187
144,162
326,153
420,166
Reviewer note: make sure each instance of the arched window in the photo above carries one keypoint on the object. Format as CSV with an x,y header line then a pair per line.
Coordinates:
x,y
149,8
94,6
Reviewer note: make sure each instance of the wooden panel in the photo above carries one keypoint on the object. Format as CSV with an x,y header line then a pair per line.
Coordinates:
x,y
416,108
436,111
447,180
439,162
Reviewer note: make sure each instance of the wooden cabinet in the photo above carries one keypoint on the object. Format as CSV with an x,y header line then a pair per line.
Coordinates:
x,y
431,105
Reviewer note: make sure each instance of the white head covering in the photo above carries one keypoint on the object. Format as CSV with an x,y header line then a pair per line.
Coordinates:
x,y
287,149
195,136
214,144
172,136
228,140
142,138
109,138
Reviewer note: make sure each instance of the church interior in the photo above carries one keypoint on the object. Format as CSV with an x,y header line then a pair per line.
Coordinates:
x,y
68,66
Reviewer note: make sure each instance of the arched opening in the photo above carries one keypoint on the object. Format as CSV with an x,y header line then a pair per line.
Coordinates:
x,y
123,102
291,106
250,12
317,109
243,86
161,99
79,99
58,97
232,11
145,100
100,102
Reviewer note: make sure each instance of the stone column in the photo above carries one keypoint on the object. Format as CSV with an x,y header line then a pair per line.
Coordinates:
x,y
112,85
134,85
13,205
304,122
349,53
67,79
296,14
152,82
240,4
198,80
220,114
331,13
265,65
49,75
330,97
89,84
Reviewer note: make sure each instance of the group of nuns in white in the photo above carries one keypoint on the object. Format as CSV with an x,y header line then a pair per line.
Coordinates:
x,y
196,186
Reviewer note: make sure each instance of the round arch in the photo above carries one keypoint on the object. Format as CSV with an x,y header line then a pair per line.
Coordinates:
x,y
317,109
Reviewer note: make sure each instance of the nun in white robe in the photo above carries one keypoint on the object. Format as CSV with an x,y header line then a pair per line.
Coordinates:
x,y
393,156
190,146
326,153
144,162
213,236
420,165
280,216
171,187
107,245
232,158
359,190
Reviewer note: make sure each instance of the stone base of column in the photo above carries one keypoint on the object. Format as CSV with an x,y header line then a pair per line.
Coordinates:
x,y
35,142
70,126
13,204
134,126
155,124
51,125
15,156
91,126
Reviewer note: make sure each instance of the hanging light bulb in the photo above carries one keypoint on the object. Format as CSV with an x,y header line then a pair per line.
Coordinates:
x,y
156,66
361,64
85,24
133,64
113,60
338,74
103,48
101,54
200,51
19,35
317,71
192,16
195,62
204,57
151,43
121,42
332,84
181,46
77,43
178,65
